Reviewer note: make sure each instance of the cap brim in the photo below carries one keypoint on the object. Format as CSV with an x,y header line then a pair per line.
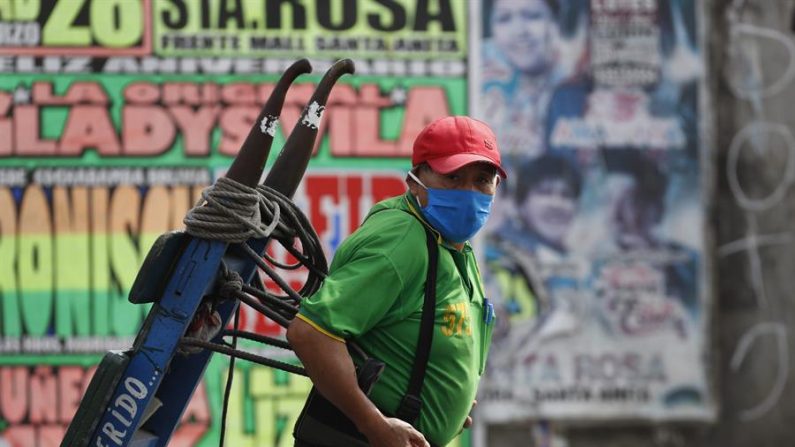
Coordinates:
x,y
444,165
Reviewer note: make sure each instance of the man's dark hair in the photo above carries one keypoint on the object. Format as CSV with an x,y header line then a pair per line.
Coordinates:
x,y
651,182
547,166
554,6
420,167
488,5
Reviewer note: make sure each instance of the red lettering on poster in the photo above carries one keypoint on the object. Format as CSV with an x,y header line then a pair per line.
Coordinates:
x,y
141,93
195,421
6,141
239,93
43,387
236,123
353,188
195,127
27,132
318,190
181,93
77,93
148,130
13,394
387,186
70,387
89,127
153,115
21,436
38,403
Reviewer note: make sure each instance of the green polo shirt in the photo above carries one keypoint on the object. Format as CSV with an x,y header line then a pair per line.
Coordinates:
x,y
374,295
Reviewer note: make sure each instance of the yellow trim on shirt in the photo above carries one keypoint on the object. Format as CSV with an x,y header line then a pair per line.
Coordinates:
x,y
320,329
416,213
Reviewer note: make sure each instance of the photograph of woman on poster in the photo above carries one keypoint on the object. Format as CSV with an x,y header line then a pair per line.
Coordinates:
x,y
520,69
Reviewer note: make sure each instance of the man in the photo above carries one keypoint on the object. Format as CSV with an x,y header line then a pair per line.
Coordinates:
x,y
376,286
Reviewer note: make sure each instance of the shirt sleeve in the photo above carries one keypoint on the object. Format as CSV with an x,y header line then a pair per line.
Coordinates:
x,y
355,297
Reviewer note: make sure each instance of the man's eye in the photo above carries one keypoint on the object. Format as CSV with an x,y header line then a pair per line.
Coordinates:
x,y
532,16
502,17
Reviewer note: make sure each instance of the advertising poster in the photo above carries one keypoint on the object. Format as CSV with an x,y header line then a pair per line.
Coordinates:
x,y
115,114
596,252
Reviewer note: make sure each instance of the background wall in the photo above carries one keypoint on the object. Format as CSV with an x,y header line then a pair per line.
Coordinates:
x,y
751,57
749,48
114,114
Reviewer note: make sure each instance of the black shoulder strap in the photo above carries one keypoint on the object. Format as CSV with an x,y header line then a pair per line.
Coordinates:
x,y
411,404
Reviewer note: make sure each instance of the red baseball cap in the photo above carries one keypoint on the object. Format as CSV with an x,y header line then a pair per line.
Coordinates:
x,y
455,141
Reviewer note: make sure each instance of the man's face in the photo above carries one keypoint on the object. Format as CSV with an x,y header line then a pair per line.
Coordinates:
x,y
523,30
480,177
633,219
549,209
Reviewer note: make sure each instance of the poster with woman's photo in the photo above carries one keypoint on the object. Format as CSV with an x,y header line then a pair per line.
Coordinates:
x,y
595,252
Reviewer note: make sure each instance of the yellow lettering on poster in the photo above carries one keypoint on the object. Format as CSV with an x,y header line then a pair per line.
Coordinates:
x,y
72,267
35,261
100,273
9,292
124,259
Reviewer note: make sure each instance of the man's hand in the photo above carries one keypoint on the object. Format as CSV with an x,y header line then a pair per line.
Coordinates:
x,y
331,369
393,432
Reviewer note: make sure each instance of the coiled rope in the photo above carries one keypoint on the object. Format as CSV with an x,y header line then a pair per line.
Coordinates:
x,y
231,212
235,213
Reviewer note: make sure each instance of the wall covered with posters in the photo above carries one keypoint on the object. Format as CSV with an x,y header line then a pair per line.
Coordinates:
x,y
114,114
596,252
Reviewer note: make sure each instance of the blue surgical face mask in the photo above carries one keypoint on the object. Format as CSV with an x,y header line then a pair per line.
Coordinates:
x,y
455,213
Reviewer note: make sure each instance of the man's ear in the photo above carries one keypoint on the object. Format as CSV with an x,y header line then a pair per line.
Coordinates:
x,y
412,185
410,181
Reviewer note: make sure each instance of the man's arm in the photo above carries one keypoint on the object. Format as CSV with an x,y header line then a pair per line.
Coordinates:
x,y
332,371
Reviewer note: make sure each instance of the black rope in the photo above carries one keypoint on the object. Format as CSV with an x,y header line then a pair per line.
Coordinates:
x,y
279,343
274,315
289,227
235,213
215,347
257,288
268,298
311,255
229,376
303,261
292,294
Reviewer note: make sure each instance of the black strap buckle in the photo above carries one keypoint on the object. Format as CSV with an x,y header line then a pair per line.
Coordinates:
x,y
409,409
368,374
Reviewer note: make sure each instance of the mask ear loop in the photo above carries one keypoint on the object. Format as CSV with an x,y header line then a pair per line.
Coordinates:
x,y
414,177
